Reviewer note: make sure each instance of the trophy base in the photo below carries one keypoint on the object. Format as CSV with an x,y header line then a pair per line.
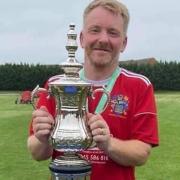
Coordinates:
x,y
70,167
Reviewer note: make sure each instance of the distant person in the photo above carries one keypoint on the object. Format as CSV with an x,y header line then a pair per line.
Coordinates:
x,y
127,130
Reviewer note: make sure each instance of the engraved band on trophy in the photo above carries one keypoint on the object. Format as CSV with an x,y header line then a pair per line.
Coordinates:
x,y
71,133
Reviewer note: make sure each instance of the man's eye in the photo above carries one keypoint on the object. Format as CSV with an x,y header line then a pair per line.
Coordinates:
x,y
95,30
114,33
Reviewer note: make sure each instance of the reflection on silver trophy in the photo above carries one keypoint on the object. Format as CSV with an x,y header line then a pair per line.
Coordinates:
x,y
70,133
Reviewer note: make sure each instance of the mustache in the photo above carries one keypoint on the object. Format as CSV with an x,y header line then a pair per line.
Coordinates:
x,y
102,46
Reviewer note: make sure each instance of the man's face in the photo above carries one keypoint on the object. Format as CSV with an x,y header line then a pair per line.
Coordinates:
x,y
103,37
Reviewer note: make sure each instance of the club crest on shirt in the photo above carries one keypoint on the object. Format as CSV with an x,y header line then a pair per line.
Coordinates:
x,y
119,105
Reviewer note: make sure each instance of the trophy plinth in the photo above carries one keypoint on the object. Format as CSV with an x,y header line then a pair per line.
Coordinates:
x,y
70,167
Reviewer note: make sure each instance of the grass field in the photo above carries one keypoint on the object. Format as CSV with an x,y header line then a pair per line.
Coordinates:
x,y
15,161
17,164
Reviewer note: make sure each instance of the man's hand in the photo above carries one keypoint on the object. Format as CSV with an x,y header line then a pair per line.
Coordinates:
x,y
42,124
100,130
124,152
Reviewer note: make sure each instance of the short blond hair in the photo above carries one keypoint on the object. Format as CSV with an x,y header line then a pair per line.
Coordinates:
x,y
114,6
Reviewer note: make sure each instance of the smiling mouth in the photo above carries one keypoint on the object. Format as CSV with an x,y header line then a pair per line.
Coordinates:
x,y
100,49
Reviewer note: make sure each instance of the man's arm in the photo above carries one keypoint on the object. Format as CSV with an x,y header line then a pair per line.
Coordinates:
x,y
123,152
129,152
39,150
38,142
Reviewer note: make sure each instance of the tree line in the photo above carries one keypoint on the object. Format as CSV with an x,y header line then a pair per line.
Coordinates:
x,y
163,75
19,77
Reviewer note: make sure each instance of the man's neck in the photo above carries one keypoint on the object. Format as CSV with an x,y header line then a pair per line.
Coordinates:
x,y
98,73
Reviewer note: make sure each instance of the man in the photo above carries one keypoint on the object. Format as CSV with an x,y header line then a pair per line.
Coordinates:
x,y
127,130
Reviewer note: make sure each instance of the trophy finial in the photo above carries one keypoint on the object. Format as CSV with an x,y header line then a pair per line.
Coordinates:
x,y
71,67
71,45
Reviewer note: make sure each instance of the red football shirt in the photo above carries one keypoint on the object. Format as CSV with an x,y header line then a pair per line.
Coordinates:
x,y
131,114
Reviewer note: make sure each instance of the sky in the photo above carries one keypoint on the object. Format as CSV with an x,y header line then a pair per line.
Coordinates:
x,y
35,31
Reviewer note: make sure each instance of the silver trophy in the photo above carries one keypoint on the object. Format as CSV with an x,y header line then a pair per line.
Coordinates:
x,y
71,133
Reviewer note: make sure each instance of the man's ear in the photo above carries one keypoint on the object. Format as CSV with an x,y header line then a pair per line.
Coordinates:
x,y
81,39
124,44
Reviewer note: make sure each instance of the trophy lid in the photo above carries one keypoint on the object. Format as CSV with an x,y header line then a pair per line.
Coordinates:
x,y
70,81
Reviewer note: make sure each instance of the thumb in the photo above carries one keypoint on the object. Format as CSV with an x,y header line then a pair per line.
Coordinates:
x,y
44,108
89,115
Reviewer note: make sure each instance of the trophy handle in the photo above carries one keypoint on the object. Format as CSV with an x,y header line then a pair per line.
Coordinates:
x,y
103,90
34,94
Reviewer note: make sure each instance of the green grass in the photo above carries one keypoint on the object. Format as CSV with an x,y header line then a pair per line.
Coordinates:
x,y
164,162
16,162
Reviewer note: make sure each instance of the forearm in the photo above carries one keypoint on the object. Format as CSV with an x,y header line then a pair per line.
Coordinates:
x,y
40,151
128,153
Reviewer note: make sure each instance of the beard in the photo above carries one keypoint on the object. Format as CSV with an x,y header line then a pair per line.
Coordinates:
x,y
100,55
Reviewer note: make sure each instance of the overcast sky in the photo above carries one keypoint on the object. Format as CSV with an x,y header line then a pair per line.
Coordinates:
x,y
34,31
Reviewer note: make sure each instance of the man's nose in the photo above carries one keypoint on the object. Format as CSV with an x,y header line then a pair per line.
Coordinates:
x,y
103,37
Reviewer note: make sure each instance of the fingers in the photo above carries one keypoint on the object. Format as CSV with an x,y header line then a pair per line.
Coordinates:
x,y
99,131
42,111
96,121
43,123
99,128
